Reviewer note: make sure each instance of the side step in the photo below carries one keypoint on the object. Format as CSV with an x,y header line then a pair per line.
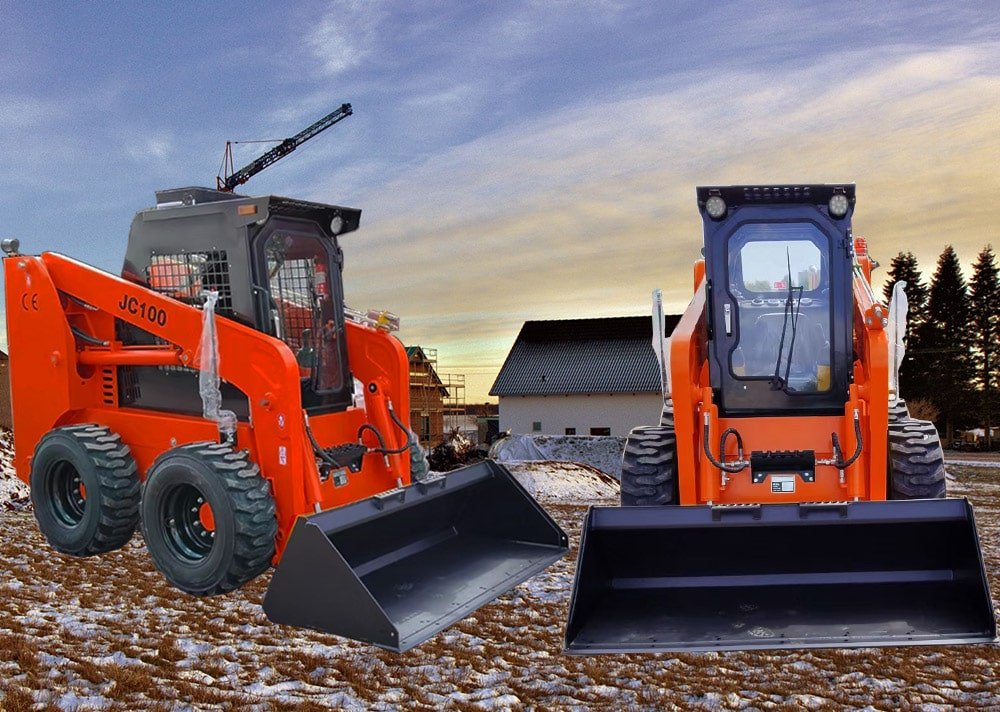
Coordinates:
x,y
397,568
654,579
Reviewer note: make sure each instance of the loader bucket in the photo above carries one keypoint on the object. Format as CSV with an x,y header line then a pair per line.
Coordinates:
x,y
653,579
397,568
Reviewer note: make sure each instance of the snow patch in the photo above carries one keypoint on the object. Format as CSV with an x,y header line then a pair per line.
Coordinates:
x,y
12,490
603,453
564,482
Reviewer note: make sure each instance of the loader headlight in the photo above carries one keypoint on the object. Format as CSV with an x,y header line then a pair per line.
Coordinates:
x,y
715,207
336,225
838,205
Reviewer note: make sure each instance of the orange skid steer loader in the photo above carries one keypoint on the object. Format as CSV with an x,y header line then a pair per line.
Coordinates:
x,y
217,395
781,502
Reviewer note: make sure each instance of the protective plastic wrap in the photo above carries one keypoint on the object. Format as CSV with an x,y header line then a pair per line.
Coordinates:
x,y
895,333
516,448
208,376
661,344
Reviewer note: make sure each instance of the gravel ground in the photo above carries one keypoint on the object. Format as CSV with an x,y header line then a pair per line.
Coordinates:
x,y
975,459
108,633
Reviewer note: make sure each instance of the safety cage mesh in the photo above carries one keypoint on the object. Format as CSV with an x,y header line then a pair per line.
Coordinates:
x,y
291,288
185,275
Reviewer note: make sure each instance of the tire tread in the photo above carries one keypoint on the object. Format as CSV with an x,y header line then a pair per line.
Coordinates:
x,y
119,487
253,509
649,467
916,461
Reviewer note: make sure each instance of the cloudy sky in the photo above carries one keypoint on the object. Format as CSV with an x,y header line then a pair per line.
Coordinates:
x,y
514,160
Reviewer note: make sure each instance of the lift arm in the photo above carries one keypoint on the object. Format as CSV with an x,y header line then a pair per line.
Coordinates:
x,y
230,182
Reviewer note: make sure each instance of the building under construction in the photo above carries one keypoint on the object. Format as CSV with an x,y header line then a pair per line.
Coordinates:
x,y
437,400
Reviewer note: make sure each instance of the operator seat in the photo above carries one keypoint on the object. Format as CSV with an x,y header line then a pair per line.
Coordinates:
x,y
761,348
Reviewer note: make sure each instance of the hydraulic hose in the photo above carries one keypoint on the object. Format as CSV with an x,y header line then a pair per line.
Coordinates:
x,y
731,467
739,443
382,449
319,451
857,451
84,336
398,422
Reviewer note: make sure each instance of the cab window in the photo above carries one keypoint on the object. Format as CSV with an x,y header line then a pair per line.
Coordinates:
x,y
303,309
780,287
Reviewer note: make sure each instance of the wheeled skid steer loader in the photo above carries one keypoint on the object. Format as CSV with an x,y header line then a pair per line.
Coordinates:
x,y
221,395
777,504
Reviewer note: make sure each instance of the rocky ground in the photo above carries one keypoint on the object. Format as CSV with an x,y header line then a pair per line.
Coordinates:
x,y
108,633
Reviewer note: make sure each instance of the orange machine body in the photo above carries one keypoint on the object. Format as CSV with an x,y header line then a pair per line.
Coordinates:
x,y
58,378
700,482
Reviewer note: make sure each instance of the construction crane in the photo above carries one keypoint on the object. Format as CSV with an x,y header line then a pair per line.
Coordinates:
x,y
228,180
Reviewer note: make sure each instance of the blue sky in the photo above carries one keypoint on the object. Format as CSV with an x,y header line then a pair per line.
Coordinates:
x,y
514,160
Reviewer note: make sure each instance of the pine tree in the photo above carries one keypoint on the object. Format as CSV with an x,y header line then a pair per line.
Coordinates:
x,y
984,299
914,374
904,267
946,341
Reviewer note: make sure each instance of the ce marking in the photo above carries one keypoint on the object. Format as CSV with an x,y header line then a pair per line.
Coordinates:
x,y
29,301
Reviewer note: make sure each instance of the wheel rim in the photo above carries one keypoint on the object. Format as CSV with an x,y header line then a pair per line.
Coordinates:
x,y
188,522
69,499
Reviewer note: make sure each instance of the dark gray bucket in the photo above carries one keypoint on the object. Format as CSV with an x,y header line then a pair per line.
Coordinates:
x,y
653,579
397,568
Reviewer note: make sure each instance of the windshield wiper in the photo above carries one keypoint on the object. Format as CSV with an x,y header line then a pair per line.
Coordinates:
x,y
792,308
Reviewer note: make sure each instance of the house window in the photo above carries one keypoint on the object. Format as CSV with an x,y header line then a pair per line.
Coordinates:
x,y
536,427
571,431
425,428
600,431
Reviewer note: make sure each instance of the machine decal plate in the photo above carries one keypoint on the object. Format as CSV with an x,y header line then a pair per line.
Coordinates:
x,y
782,484
138,307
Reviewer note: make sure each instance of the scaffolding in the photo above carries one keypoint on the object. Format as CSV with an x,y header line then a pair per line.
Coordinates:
x,y
454,403
437,400
426,396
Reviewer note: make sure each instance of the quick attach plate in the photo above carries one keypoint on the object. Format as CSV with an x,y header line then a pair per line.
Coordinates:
x,y
801,463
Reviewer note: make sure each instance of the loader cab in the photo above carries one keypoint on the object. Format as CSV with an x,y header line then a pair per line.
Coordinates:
x,y
276,265
778,261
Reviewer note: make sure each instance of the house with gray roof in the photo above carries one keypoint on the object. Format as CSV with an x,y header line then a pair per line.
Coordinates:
x,y
581,377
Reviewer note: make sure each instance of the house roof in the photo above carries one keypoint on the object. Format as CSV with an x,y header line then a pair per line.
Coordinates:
x,y
416,355
609,355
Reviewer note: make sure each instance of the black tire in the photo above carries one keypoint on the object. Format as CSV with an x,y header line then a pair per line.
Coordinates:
x,y
649,467
899,414
667,414
916,461
84,490
197,555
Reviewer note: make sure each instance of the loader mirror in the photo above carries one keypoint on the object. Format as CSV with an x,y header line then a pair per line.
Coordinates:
x,y
10,245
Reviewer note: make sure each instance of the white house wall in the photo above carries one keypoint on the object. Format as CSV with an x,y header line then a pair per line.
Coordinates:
x,y
620,411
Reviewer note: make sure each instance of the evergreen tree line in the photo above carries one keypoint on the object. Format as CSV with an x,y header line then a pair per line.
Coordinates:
x,y
952,334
